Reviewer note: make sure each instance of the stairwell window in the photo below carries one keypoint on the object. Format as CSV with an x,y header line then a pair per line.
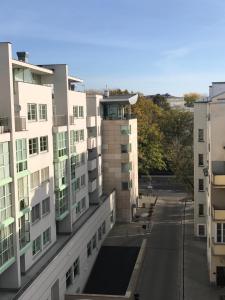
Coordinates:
x,y
201,209
201,185
201,135
32,112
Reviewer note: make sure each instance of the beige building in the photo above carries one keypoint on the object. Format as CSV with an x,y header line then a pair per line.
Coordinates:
x,y
209,178
56,208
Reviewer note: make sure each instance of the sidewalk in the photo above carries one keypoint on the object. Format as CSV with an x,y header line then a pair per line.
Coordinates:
x,y
196,281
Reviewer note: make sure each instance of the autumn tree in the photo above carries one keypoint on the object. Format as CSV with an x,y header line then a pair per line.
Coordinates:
x,y
190,98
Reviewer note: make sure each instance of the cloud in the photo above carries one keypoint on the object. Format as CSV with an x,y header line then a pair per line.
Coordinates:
x,y
177,52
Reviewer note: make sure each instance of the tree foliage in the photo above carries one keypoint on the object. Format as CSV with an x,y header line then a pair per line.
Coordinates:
x,y
190,98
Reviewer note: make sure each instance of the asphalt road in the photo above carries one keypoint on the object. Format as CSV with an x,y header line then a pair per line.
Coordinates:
x,y
160,278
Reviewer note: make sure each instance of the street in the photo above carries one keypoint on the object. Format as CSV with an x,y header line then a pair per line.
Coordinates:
x,y
162,269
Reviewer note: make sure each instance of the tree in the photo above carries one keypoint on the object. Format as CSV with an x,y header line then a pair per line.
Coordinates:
x,y
150,150
161,101
190,98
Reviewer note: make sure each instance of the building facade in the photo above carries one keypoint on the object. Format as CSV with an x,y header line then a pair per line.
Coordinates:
x,y
209,178
55,207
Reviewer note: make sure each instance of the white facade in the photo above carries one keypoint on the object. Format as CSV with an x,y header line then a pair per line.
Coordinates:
x,y
54,215
209,177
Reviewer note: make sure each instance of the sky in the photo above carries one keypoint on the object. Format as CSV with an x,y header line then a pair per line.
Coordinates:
x,y
149,46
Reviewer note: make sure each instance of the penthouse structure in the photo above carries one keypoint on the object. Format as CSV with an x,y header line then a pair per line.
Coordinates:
x,y
62,186
209,178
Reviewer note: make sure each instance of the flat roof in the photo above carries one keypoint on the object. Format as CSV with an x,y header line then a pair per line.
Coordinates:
x,y
75,79
131,98
37,69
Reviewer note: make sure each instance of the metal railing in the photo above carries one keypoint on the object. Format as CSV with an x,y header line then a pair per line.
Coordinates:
x,y
59,120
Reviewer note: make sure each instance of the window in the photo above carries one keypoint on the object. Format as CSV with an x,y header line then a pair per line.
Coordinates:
x,y
89,249
35,213
125,185
94,242
45,206
76,268
61,173
111,216
43,143
82,135
6,244
72,141
201,209
200,160
201,135
82,181
44,174
201,185
5,202
22,186
125,129
82,158
81,111
47,236
61,202
103,227
69,277
73,167
43,112
99,233
201,229
36,247
32,112
33,146
21,155
78,208
83,203
126,148
77,185
60,141
24,230
75,111
126,167
4,160
34,180
76,136
220,232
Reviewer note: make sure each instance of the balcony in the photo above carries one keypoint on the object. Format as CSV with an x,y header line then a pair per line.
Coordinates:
x,y
24,203
218,213
91,121
59,120
218,248
219,181
4,125
20,123
92,185
92,164
91,143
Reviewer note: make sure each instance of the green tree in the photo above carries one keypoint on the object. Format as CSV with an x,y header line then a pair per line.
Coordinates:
x,y
160,101
190,98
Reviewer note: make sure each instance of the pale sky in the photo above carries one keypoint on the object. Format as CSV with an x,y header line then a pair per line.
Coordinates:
x,y
158,46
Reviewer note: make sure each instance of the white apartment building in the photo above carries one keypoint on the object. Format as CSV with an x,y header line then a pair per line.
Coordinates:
x,y
54,210
209,178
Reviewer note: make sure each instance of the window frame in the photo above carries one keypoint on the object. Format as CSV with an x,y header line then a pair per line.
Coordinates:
x,y
32,143
43,143
32,112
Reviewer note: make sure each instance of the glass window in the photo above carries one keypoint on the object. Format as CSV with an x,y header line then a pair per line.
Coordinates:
x,y
5,202
69,277
78,208
21,155
43,143
200,160
103,228
76,268
47,236
201,135
61,173
45,206
82,135
24,230
61,202
36,246
201,209
35,213
32,112
60,144
99,233
125,129
201,185
33,146
201,229
126,148
126,167
75,111
6,244
44,174
43,112
125,185
83,203
82,181
89,250
4,160
81,111
34,180
22,186
94,242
